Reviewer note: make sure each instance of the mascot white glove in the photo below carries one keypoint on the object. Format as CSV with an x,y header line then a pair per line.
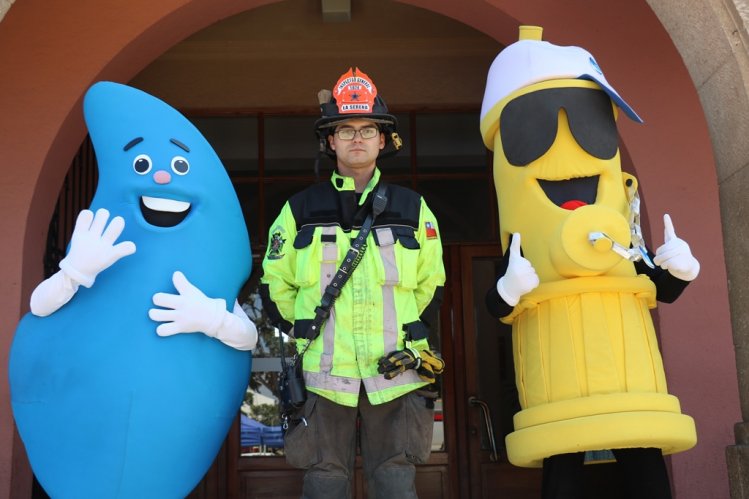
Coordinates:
x,y
92,250
520,277
92,247
674,255
191,311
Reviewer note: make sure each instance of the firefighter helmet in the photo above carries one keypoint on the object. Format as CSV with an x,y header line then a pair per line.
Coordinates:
x,y
354,96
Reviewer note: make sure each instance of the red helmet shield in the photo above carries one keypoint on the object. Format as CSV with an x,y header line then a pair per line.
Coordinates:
x,y
355,93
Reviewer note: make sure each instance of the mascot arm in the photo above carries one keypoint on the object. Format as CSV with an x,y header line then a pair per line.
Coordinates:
x,y
191,311
496,306
52,293
668,288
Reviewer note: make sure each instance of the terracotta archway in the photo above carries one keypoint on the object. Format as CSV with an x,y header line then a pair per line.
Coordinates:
x,y
60,48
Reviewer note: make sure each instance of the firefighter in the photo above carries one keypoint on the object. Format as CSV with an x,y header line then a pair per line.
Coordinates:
x,y
370,360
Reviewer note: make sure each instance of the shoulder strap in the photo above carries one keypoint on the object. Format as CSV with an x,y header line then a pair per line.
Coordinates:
x,y
350,262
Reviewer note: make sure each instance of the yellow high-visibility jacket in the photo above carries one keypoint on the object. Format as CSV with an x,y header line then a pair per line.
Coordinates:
x,y
379,308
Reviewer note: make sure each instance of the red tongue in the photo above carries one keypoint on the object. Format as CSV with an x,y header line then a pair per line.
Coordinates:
x,y
573,204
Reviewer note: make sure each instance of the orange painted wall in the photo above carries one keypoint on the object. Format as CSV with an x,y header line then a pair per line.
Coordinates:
x,y
51,51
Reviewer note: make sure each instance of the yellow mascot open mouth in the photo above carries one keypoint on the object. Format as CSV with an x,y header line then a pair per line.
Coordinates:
x,y
571,194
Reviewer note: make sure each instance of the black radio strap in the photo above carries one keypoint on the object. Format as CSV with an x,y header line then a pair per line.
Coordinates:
x,y
350,262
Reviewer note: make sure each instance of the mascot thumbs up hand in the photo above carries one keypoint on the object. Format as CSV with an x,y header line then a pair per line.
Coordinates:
x,y
520,278
674,255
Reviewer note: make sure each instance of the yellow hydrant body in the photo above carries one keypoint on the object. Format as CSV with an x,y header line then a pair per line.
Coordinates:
x,y
588,368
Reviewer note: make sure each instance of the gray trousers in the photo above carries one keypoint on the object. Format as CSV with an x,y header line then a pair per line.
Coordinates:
x,y
393,437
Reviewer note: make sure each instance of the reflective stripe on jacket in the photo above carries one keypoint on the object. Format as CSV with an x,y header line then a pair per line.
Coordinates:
x,y
379,307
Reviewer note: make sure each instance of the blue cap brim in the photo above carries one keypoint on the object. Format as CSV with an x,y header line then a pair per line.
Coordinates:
x,y
615,97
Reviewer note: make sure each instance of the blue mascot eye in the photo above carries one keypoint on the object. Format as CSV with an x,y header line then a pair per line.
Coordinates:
x,y
142,164
180,165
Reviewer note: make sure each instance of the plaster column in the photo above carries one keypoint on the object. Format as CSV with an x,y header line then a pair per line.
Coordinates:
x,y
5,7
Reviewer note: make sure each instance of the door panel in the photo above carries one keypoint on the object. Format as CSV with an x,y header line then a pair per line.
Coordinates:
x,y
491,396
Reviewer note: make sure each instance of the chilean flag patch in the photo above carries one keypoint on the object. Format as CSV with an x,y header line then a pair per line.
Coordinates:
x,y
430,230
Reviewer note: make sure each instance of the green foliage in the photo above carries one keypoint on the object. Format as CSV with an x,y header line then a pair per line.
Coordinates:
x,y
268,346
266,414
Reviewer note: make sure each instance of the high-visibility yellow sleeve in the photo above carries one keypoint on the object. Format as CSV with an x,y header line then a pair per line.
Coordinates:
x,y
430,268
279,264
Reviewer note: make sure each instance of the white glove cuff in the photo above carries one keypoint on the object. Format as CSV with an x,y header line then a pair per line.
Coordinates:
x,y
215,317
83,279
506,296
689,274
237,330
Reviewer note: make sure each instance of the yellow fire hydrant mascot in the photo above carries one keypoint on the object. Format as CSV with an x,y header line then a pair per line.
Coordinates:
x,y
579,281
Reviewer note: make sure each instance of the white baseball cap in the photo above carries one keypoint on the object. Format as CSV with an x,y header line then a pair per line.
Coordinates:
x,y
530,61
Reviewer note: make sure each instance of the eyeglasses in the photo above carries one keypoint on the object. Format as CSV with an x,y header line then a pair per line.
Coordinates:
x,y
528,124
365,133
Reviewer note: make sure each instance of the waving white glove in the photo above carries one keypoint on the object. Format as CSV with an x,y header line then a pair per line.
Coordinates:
x,y
191,311
520,277
92,247
674,255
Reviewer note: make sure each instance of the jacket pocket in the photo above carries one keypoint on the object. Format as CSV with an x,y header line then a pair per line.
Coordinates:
x,y
300,441
399,254
408,256
408,261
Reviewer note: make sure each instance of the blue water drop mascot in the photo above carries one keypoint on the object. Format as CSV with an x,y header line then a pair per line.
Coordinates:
x,y
130,368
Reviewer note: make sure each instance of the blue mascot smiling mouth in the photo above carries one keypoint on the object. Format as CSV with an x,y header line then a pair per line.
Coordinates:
x,y
163,212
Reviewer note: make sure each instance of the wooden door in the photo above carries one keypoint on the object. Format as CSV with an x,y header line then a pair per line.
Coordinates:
x,y
488,396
